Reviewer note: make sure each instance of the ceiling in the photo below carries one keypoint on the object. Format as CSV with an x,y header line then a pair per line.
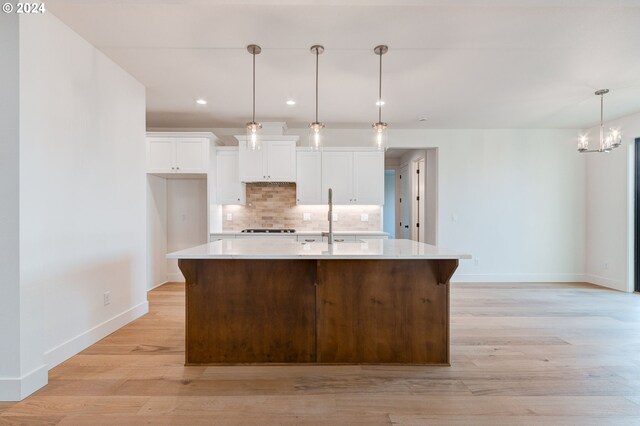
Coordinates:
x,y
459,63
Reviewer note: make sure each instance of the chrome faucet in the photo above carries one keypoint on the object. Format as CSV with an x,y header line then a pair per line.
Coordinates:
x,y
329,234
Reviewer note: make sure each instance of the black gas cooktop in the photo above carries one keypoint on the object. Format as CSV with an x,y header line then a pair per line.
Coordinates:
x,y
269,231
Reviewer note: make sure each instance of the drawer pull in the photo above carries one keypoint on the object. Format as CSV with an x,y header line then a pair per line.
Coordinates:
x,y
310,240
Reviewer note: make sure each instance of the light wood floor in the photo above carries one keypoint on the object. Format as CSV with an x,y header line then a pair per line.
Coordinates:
x,y
529,354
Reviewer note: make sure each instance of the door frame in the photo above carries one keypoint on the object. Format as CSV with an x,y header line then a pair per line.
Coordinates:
x,y
417,183
635,187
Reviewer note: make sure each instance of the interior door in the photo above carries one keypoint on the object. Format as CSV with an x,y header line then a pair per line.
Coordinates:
x,y
404,201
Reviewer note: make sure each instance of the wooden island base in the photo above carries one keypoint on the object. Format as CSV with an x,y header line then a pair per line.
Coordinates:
x,y
317,311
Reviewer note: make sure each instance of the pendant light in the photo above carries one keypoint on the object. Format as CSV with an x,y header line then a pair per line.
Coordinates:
x,y
380,128
315,128
253,142
611,141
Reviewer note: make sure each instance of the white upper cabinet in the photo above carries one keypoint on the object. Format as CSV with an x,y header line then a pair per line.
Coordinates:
x,y
229,188
251,164
281,161
192,155
169,153
275,161
355,177
337,174
368,178
160,155
309,177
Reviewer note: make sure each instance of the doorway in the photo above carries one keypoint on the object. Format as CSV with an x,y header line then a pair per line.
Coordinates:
x,y
636,205
389,208
416,193
418,200
404,202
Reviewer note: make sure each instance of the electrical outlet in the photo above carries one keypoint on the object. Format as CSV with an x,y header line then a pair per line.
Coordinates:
x,y
476,261
364,217
106,298
605,265
335,217
229,216
306,217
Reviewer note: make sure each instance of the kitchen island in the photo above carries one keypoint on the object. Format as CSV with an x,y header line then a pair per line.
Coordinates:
x,y
281,301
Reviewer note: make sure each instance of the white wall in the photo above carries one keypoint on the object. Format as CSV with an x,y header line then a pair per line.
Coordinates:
x,y
186,219
10,362
156,231
610,209
82,187
514,199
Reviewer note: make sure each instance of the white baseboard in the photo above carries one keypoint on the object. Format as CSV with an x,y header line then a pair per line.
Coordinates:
x,y
18,388
606,282
175,278
517,278
157,285
82,341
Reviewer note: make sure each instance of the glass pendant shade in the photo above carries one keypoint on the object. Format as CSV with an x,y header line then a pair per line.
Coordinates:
x,y
380,136
253,141
315,136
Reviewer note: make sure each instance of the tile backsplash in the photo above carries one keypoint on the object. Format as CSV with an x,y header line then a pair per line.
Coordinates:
x,y
274,206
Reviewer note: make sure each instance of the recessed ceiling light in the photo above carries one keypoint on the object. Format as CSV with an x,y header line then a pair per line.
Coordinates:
x,y
422,119
201,102
380,103
291,102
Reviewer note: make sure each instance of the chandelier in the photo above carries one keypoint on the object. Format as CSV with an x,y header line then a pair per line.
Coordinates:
x,y
607,142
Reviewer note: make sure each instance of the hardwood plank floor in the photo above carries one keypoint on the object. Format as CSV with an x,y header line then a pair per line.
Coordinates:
x,y
522,354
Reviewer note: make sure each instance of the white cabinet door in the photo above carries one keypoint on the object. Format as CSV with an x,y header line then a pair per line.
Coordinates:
x,y
251,164
192,155
368,178
309,178
281,161
337,174
160,155
229,188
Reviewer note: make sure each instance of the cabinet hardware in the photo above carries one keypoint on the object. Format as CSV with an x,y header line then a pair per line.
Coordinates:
x,y
339,240
309,241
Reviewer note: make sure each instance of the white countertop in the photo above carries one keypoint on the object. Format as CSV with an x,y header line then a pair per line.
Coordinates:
x,y
303,233
261,248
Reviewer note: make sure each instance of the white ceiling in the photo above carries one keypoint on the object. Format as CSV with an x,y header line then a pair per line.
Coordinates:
x,y
461,63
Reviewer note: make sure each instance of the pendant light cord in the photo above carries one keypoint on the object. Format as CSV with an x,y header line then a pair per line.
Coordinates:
x,y
253,117
317,54
380,91
602,121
